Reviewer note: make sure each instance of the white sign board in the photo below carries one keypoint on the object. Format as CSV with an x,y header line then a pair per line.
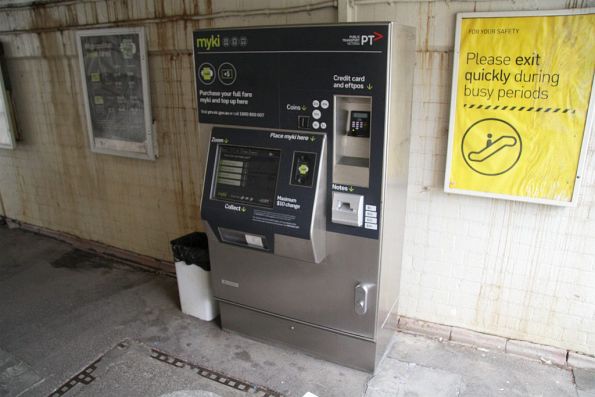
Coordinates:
x,y
115,83
7,125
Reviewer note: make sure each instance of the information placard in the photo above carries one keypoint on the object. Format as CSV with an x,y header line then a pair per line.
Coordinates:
x,y
7,124
521,106
115,81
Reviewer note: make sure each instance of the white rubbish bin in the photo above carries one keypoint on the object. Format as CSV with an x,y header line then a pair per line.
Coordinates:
x,y
191,255
196,295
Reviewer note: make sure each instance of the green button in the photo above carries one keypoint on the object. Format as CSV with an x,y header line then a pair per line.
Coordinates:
x,y
207,73
303,169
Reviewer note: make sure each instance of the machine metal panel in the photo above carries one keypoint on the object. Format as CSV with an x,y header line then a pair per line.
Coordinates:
x,y
396,171
321,294
328,288
341,349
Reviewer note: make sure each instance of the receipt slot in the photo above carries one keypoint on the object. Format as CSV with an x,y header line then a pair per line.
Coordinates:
x,y
305,133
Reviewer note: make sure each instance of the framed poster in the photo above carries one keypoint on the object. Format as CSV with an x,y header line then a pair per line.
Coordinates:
x,y
7,123
521,105
115,86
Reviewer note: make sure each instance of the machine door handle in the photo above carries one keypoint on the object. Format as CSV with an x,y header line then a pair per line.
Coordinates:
x,y
362,292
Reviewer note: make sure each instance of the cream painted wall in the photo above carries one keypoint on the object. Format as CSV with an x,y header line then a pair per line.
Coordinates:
x,y
518,270
53,180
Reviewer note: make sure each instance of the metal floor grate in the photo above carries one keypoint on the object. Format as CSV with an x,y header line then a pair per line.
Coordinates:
x,y
215,376
86,376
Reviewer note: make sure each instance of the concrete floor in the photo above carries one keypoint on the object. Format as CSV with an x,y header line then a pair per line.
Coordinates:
x,y
61,310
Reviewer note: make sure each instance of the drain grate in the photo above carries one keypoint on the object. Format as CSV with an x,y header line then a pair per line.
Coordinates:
x,y
84,377
215,376
97,371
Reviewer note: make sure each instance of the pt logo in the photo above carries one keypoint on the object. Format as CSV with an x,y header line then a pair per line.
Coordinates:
x,y
491,147
371,38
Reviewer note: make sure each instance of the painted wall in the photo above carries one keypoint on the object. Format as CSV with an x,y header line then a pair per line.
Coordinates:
x,y
53,180
518,270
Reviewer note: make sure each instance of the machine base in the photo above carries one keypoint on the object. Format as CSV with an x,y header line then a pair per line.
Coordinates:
x,y
339,348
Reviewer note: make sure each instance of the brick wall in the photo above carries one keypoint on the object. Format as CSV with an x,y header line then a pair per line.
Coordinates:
x,y
519,270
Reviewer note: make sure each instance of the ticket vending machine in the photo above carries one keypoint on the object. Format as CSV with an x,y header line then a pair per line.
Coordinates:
x,y
305,132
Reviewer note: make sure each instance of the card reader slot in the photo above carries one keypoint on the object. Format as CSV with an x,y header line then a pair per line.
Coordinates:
x,y
351,148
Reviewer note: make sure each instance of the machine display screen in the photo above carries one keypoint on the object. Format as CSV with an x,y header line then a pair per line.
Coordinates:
x,y
246,175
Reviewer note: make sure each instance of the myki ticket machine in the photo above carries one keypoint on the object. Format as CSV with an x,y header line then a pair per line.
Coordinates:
x,y
307,131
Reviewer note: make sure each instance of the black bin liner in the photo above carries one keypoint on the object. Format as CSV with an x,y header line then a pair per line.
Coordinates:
x,y
193,249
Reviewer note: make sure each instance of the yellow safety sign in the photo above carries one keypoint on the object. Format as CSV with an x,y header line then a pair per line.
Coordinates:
x,y
519,113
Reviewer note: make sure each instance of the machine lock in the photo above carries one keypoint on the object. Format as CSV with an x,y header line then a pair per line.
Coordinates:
x,y
362,292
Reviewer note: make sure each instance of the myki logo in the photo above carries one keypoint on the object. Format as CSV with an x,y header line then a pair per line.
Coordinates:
x,y
208,42
371,38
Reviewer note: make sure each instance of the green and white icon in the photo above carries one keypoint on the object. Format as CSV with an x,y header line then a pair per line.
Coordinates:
x,y
303,169
206,73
